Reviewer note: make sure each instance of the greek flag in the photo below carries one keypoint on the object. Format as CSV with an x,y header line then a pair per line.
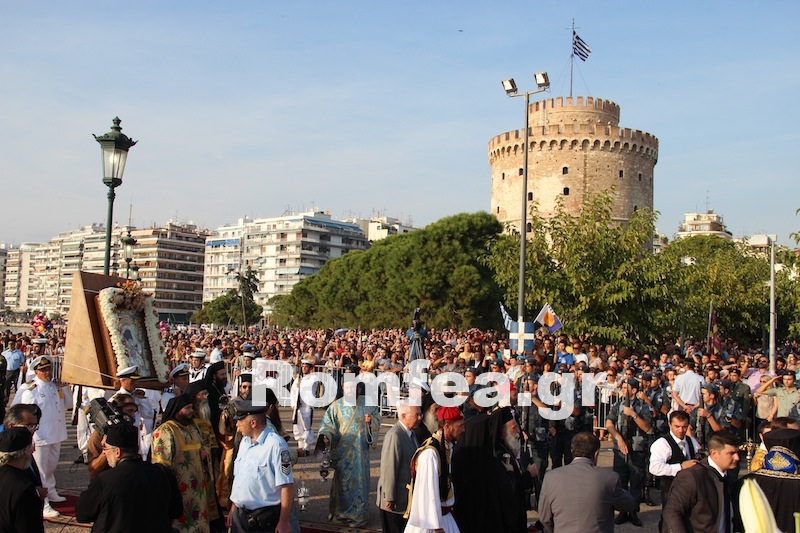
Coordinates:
x,y
580,48
507,321
528,334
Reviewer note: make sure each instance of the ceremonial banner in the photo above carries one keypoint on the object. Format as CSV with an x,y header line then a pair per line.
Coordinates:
x,y
548,318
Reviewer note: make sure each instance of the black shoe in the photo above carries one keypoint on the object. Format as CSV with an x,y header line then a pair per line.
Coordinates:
x,y
635,520
621,518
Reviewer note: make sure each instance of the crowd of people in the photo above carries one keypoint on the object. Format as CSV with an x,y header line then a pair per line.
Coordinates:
x,y
676,418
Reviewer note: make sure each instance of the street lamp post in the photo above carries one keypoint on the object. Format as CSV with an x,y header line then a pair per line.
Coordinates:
x,y
764,241
128,242
510,87
135,272
115,146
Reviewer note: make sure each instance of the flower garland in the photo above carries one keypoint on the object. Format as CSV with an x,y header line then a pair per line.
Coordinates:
x,y
128,296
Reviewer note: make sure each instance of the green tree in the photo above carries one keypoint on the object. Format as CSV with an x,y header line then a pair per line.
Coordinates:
x,y
237,306
600,277
436,268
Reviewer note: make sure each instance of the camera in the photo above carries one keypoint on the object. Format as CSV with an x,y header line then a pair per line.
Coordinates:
x,y
103,415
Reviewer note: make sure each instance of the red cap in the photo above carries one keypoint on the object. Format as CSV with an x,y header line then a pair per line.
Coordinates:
x,y
446,414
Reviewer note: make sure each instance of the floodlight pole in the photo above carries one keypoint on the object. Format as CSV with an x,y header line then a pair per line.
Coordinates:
x,y
510,87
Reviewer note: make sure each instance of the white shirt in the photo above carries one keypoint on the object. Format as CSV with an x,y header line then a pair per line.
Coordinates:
x,y
688,386
661,452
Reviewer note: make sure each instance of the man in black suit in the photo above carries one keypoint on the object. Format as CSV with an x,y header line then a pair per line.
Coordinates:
x,y
133,496
399,445
696,493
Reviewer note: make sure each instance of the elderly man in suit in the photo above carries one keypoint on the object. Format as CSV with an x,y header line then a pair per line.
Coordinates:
x,y
696,493
600,492
399,445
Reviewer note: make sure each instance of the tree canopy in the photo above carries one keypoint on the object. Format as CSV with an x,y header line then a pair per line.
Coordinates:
x,y
436,268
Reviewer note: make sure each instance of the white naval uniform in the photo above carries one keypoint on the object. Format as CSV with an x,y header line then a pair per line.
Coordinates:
x,y
198,374
145,417
52,426
302,415
84,428
426,506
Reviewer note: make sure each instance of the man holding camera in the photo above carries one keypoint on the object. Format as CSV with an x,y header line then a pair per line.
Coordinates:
x,y
132,495
125,405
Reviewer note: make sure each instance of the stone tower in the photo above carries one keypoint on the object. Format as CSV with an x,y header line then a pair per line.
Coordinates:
x,y
576,147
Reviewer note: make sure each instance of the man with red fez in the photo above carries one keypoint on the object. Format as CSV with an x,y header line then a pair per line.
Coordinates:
x,y
431,496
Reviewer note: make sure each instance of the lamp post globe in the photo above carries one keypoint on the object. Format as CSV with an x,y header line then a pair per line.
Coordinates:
x,y
128,242
114,147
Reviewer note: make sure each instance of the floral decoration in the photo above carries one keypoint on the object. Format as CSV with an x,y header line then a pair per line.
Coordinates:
x,y
128,296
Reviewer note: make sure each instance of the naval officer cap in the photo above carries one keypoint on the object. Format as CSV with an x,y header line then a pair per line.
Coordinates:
x,y
245,408
15,439
180,370
130,372
41,363
199,354
39,340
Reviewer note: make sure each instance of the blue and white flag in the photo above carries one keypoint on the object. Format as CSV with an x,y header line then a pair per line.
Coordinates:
x,y
580,48
528,334
507,320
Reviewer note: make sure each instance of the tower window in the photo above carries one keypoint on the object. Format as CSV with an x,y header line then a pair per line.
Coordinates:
x,y
530,196
521,171
621,173
566,191
640,176
529,227
503,176
565,171
498,209
635,208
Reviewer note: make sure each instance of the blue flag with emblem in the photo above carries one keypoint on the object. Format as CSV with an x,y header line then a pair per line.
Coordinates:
x,y
528,334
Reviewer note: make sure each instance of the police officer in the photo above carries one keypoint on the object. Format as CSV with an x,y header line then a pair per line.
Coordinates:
x,y
629,422
535,429
710,416
263,486
732,416
655,397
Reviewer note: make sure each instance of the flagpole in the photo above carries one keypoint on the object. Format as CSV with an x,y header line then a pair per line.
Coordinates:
x,y
571,57
708,336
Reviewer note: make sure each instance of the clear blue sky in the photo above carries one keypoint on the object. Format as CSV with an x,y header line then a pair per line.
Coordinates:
x,y
255,107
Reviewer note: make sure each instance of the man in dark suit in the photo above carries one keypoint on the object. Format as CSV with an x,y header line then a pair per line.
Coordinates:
x,y
133,496
696,493
399,445
599,490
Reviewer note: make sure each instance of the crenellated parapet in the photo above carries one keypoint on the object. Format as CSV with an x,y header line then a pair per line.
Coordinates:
x,y
577,147
575,136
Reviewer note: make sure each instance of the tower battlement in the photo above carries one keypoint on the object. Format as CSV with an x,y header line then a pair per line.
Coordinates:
x,y
576,148
578,109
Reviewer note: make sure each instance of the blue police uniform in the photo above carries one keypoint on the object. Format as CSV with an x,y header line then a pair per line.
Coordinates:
x,y
260,470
